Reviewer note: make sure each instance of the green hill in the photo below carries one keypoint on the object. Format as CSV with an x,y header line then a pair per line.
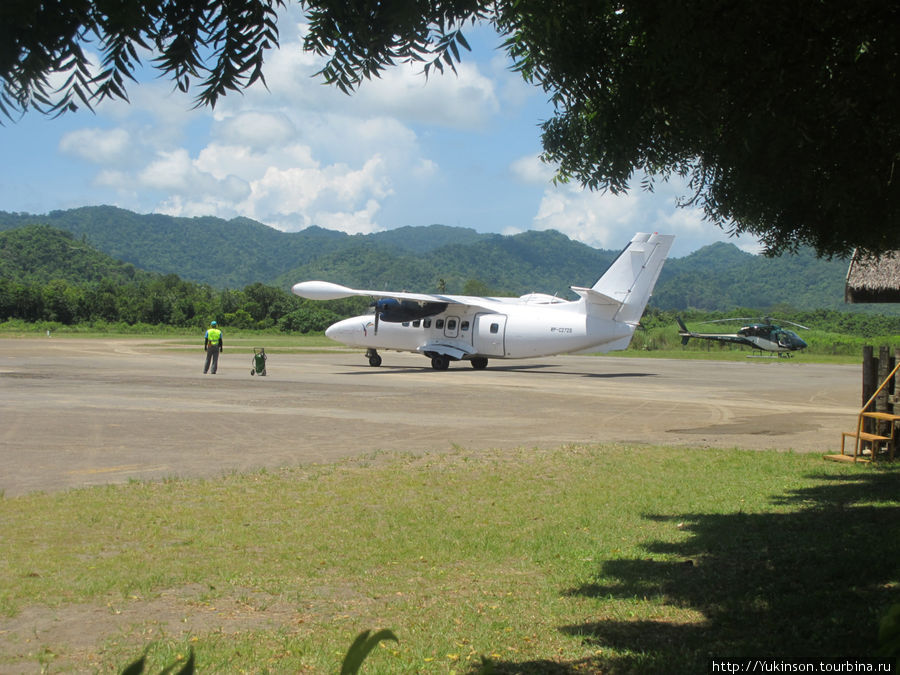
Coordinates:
x,y
236,253
223,253
721,276
39,253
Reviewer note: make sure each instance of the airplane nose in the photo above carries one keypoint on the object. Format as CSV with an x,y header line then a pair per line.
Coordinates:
x,y
346,330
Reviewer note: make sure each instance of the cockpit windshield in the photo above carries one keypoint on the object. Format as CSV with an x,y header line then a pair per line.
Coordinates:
x,y
788,338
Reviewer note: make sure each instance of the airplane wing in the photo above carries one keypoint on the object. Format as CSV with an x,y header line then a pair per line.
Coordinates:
x,y
325,290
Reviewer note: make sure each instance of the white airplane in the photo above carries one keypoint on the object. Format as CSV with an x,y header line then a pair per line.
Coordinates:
x,y
459,327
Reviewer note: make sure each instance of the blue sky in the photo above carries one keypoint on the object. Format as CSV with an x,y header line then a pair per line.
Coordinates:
x,y
457,150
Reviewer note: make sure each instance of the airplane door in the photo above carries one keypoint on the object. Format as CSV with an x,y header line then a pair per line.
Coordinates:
x,y
489,336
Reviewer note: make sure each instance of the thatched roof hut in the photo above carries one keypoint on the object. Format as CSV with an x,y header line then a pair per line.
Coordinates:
x,y
873,278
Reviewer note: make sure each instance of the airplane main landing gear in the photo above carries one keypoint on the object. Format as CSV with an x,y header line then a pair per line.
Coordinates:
x,y
374,358
440,362
479,362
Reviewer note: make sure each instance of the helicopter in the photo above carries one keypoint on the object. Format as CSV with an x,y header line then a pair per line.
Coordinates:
x,y
764,336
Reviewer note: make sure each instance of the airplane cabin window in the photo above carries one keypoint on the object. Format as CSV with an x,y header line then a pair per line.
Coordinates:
x,y
406,324
439,324
426,323
495,327
451,324
416,323
464,325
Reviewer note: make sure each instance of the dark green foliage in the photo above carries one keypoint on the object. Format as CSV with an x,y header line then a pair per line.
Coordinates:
x,y
889,635
361,647
138,667
358,652
781,114
40,252
307,319
426,238
48,275
215,44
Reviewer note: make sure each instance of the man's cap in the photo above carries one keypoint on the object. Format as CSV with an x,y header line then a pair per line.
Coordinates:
x,y
212,323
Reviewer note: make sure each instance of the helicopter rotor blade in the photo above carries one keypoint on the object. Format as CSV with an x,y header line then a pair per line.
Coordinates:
x,y
795,324
736,318
768,320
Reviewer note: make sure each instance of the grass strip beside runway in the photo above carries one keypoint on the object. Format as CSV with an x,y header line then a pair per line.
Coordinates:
x,y
593,558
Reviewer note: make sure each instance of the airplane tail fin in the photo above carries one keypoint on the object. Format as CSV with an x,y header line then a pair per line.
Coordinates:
x,y
624,289
684,332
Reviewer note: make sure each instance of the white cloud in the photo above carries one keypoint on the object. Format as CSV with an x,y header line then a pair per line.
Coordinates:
x,y
311,195
531,169
604,220
258,130
190,190
171,171
222,160
358,222
592,218
99,146
462,100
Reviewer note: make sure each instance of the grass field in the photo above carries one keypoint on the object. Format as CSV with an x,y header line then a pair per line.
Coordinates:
x,y
578,559
653,343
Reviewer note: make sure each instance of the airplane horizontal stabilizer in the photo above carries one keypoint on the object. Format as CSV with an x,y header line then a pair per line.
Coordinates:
x,y
596,297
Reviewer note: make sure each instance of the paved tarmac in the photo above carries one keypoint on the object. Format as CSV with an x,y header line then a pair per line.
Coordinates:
x,y
78,412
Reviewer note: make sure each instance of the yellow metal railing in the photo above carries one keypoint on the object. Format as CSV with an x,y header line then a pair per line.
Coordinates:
x,y
861,418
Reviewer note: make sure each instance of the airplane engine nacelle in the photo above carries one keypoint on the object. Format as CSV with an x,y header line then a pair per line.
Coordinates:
x,y
398,311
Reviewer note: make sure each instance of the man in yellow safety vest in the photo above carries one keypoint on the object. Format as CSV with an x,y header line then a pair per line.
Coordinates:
x,y
212,343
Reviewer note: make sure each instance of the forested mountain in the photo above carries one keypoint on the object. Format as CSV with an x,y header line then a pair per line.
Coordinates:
x,y
721,276
210,250
239,252
39,253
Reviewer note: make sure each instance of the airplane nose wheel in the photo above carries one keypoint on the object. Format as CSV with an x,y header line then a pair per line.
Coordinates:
x,y
440,362
374,358
479,363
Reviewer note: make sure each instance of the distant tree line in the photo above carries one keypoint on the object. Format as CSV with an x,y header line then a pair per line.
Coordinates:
x,y
168,301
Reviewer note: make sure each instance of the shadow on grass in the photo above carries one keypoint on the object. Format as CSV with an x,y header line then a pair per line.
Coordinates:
x,y
810,583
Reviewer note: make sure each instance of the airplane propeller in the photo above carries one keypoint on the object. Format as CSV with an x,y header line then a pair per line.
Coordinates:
x,y
377,314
